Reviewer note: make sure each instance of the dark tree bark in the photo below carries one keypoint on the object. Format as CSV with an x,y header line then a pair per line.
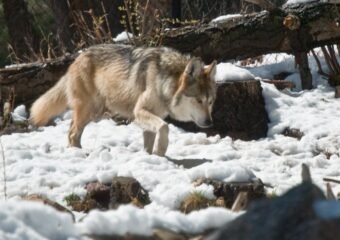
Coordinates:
x,y
108,9
23,38
63,20
208,9
306,76
176,11
114,16
74,21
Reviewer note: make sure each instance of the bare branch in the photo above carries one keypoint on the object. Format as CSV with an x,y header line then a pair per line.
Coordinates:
x,y
241,202
331,180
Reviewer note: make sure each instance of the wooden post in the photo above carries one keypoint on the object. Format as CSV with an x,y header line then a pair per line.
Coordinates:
x,y
301,59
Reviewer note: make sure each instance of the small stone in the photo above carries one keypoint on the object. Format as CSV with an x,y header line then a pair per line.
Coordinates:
x,y
125,190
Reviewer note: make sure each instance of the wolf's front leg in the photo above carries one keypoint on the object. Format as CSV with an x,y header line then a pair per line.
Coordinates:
x,y
149,140
155,131
161,140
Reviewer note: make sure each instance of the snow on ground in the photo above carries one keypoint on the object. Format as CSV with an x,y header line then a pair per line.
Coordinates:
x,y
33,221
40,162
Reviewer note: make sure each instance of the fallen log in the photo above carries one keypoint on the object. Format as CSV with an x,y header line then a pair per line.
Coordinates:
x,y
280,84
293,29
28,81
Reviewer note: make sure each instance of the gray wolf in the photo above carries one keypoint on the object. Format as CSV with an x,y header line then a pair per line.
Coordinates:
x,y
141,84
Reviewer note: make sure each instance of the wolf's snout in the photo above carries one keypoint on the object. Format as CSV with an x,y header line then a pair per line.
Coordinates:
x,y
206,124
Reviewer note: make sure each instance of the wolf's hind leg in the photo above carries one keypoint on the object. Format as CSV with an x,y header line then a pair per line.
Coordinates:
x,y
149,140
81,117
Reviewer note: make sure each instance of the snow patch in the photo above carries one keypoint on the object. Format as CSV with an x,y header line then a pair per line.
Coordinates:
x,y
123,36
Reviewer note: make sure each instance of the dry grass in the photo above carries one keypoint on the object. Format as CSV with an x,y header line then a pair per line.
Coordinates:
x,y
195,201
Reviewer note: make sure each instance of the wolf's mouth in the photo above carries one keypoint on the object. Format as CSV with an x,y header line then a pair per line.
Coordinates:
x,y
204,126
198,124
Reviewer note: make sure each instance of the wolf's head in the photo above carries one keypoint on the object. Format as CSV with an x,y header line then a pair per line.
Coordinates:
x,y
195,93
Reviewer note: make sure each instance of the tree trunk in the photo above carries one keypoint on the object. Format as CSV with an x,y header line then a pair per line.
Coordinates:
x,y
239,112
176,12
63,21
23,38
305,74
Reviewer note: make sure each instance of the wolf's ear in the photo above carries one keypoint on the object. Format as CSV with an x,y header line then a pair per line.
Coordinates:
x,y
210,70
194,68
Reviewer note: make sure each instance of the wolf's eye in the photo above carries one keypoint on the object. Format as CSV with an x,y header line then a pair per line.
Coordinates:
x,y
210,102
199,101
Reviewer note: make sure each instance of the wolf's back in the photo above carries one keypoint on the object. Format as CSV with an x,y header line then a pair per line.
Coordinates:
x,y
50,104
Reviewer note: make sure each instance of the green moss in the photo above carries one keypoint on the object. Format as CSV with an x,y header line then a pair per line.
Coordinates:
x,y
71,198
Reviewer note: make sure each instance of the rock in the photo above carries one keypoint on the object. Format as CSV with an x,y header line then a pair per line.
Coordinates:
x,y
295,215
122,190
293,132
230,191
97,197
239,112
126,190
100,193
49,202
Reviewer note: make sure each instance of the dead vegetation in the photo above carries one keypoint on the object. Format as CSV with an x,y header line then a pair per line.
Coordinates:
x,y
7,124
330,53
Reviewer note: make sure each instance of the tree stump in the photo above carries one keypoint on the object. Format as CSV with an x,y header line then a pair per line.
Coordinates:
x,y
239,112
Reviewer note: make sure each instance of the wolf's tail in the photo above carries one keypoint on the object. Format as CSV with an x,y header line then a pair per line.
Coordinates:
x,y
49,105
